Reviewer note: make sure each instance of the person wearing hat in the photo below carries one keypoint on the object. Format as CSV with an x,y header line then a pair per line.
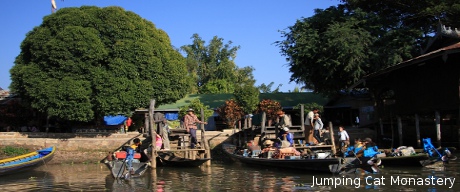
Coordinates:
x,y
190,121
268,146
285,121
285,135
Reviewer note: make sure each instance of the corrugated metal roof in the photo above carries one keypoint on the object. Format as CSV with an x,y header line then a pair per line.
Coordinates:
x,y
455,48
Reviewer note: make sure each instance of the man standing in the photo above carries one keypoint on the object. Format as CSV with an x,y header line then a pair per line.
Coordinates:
x,y
344,138
309,123
190,121
285,121
162,128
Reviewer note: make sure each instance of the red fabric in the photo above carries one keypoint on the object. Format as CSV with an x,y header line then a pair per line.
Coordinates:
x,y
122,155
129,121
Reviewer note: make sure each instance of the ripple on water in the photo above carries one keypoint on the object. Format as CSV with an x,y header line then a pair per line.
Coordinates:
x,y
218,177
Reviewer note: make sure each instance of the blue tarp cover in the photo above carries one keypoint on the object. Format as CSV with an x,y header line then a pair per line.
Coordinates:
x,y
114,120
172,116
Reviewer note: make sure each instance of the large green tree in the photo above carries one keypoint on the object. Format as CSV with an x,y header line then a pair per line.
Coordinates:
x,y
247,96
335,47
212,66
422,15
83,63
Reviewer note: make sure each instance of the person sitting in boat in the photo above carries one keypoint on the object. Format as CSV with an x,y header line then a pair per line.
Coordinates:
x,y
353,150
371,148
130,151
285,135
136,144
268,146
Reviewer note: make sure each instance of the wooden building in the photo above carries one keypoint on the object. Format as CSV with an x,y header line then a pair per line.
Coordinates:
x,y
420,98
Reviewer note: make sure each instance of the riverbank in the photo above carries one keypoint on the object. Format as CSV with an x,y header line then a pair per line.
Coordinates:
x,y
76,148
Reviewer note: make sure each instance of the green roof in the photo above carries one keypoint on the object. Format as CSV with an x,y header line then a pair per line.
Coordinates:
x,y
216,100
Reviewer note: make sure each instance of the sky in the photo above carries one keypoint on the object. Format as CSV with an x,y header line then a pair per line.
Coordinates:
x,y
253,25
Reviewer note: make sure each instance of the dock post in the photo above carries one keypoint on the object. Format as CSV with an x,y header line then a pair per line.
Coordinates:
x,y
400,135
417,130
331,133
302,123
204,141
153,134
438,127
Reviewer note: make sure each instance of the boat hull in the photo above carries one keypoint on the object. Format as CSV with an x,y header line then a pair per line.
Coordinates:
x,y
169,159
327,165
417,160
26,162
119,169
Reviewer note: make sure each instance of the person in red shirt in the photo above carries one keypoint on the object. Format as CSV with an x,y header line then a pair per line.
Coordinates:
x,y
128,123
190,121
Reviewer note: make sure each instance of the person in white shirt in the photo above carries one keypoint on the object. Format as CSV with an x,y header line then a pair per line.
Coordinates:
x,y
310,117
309,124
318,125
343,137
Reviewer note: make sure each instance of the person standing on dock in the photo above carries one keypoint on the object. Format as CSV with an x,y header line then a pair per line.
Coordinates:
x,y
162,128
309,124
318,125
344,138
190,121
285,121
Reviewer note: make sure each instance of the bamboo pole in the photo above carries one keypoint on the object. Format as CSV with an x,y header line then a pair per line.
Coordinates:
x,y
438,127
380,138
262,129
417,130
204,141
153,134
392,131
400,135
331,133
302,123
146,123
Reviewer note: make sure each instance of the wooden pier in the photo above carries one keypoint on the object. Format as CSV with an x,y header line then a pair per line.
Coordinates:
x,y
179,141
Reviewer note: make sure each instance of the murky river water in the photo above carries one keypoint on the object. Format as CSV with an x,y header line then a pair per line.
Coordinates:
x,y
229,177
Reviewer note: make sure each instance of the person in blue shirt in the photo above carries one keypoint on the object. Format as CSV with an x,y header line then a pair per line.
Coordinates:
x,y
286,136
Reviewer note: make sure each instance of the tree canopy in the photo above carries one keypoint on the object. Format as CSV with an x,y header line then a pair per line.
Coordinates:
x,y
247,96
83,63
337,46
212,66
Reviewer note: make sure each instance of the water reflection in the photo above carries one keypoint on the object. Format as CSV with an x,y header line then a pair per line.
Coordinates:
x,y
218,177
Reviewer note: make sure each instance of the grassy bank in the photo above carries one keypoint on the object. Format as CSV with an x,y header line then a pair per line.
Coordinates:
x,y
11,151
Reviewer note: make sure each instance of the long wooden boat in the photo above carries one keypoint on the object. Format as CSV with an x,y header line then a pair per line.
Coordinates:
x,y
416,160
169,159
27,161
119,165
330,165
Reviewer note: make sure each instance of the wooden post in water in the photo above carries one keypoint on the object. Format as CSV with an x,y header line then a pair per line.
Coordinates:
x,y
146,123
380,138
400,135
153,134
392,131
417,130
262,123
438,127
331,133
239,133
204,141
302,123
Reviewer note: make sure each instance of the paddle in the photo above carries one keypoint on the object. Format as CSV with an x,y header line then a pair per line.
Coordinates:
x,y
121,168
